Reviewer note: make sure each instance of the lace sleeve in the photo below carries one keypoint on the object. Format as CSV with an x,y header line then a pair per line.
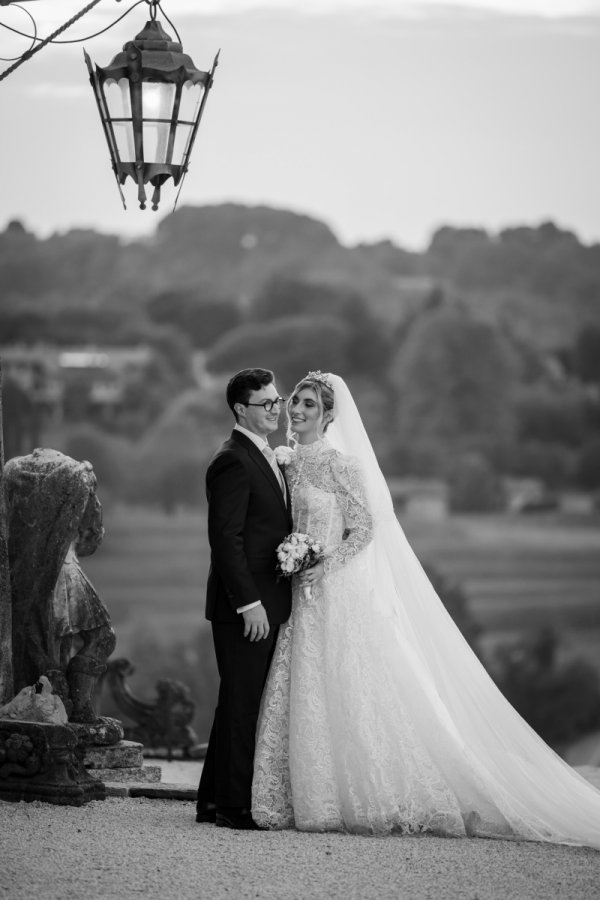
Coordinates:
x,y
351,496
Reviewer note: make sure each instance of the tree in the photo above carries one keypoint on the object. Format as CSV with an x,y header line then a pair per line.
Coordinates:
x,y
374,398
170,468
561,701
22,420
172,360
149,391
586,354
180,482
198,312
290,346
173,454
587,467
23,326
369,343
454,377
23,270
284,297
74,325
550,462
551,415
473,486
112,457
458,255
546,261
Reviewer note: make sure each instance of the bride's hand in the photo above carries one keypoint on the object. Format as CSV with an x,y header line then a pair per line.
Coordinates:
x,y
313,575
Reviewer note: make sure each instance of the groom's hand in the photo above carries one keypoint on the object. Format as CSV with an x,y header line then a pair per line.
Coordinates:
x,y
256,624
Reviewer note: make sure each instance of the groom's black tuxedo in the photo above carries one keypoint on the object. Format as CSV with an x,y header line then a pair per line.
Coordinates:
x,y
247,518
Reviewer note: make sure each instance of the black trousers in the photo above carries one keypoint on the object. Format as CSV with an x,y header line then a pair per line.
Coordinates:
x,y
243,666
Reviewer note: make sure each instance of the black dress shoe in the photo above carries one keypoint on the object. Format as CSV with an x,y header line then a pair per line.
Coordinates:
x,y
236,817
207,813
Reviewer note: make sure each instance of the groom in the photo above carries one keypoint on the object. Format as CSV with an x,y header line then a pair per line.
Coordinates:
x,y
248,515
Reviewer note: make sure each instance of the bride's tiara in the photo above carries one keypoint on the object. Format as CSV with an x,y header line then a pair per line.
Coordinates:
x,y
319,376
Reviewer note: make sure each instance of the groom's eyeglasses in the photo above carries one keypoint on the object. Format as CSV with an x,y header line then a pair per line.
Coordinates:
x,y
268,405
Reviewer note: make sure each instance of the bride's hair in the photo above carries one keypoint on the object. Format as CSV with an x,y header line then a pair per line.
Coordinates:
x,y
325,397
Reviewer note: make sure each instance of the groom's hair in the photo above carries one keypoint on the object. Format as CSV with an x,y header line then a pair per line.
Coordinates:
x,y
243,383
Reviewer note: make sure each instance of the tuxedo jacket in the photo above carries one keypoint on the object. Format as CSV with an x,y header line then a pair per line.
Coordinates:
x,y
247,518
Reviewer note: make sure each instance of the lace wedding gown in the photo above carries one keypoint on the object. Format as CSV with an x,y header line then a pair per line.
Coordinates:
x,y
366,727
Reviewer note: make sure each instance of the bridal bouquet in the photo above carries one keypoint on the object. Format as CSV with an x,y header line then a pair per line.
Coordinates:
x,y
296,553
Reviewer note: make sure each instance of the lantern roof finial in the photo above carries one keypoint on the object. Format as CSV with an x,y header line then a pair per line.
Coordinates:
x,y
154,37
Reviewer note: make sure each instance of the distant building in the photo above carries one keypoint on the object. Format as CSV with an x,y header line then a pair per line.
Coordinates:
x,y
35,370
77,382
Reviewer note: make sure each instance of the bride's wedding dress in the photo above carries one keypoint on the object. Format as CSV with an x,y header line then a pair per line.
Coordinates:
x,y
377,717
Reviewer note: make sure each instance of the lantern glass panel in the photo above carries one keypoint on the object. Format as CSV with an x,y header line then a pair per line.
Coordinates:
x,y
123,132
156,138
182,139
157,99
157,104
118,98
191,98
118,102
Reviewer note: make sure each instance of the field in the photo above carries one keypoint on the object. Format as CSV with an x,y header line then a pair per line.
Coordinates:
x,y
522,572
519,571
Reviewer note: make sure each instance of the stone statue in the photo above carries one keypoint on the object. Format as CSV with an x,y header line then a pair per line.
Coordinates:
x,y
163,722
60,627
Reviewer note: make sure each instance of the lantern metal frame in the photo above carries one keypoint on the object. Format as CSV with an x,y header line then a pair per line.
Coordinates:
x,y
151,58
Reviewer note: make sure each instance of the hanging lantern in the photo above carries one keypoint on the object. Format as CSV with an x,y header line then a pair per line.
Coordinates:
x,y
150,98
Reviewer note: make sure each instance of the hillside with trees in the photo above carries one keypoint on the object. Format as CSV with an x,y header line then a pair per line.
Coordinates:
x,y
478,355
474,363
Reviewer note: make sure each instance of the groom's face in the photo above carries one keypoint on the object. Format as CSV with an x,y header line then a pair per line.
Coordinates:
x,y
254,417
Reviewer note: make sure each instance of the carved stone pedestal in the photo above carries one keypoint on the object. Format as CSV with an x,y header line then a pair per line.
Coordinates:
x,y
129,775
40,761
104,732
121,762
122,755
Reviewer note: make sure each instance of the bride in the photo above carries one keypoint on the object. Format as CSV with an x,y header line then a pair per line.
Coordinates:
x,y
376,716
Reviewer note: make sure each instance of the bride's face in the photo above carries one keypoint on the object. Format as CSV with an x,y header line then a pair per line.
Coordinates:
x,y
306,415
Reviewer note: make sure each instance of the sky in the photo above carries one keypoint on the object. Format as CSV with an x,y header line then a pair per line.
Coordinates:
x,y
384,119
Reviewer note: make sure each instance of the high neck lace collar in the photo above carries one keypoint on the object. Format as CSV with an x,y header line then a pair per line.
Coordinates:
x,y
312,449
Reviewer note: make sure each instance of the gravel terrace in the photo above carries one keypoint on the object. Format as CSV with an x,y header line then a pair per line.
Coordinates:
x,y
123,848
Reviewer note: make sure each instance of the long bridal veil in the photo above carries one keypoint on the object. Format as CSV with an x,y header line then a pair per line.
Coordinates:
x,y
508,781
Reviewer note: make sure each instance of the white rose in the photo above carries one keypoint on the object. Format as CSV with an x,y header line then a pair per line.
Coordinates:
x,y
283,455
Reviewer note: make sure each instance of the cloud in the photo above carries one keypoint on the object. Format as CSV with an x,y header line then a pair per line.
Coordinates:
x,y
57,91
401,8
50,16
582,17
460,114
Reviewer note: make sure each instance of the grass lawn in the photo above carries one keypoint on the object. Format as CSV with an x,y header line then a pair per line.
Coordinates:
x,y
522,572
150,572
519,571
